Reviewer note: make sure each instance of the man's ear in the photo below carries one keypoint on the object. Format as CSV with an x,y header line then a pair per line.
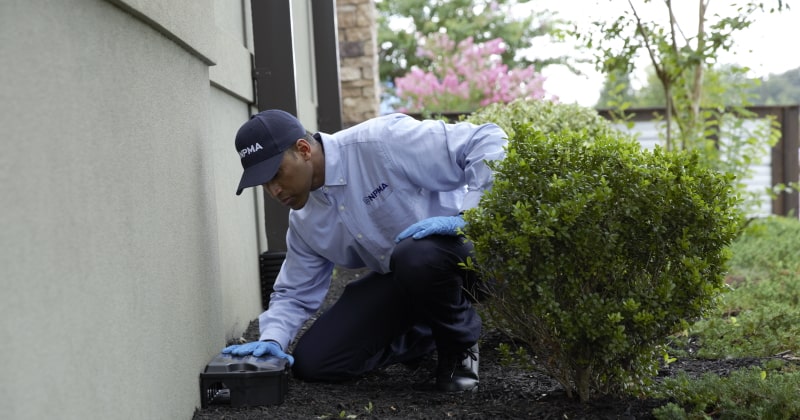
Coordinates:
x,y
303,148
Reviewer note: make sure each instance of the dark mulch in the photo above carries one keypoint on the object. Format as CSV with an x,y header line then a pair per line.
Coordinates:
x,y
405,392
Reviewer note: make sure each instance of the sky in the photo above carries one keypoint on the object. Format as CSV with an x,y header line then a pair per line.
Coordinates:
x,y
768,46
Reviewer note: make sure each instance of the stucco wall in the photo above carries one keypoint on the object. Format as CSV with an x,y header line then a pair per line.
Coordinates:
x,y
126,260
239,220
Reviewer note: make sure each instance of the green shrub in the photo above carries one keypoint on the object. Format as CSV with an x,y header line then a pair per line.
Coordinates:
x,y
600,250
545,116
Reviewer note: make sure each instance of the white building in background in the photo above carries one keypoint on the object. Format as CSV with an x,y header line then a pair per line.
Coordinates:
x,y
126,259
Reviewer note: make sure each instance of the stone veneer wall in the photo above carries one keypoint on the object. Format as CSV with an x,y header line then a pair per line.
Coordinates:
x,y
358,55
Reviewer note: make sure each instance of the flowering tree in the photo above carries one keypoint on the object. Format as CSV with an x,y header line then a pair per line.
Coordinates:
x,y
464,77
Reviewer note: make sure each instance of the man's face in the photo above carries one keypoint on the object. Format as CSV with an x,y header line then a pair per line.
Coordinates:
x,y
292,184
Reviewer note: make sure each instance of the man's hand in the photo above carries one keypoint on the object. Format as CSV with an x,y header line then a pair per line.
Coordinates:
x,y
258,349
438,225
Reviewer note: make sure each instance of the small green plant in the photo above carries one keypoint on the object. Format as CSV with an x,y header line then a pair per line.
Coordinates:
x,y
753,393
342,415
760,315
762,331
767,247
600,250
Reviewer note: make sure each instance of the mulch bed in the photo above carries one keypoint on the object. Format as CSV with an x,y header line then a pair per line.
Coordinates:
x,y
406,392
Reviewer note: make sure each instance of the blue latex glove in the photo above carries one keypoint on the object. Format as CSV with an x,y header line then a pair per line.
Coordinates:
x,y
258,349
438,225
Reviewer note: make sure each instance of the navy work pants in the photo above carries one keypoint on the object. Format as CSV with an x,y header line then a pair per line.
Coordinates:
x,y
421,305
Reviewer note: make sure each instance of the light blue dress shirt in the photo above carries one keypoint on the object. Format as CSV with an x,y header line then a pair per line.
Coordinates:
x,y
380,177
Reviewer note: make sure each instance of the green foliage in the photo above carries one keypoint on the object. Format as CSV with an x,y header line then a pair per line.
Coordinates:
x,y
601,250
778,89
618,93
704,107
760,316
757,332
720,86
482,20
545,116
755,393
670,411
767,247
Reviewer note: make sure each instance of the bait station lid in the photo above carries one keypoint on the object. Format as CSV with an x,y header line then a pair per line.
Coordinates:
x,y
239,381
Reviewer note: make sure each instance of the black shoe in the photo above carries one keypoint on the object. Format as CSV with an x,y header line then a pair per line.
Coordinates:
x,y
458,372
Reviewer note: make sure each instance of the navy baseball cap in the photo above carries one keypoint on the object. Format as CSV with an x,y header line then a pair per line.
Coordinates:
x,y
261,142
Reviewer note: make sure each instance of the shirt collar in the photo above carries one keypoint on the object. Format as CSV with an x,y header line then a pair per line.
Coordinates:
x,y
334,170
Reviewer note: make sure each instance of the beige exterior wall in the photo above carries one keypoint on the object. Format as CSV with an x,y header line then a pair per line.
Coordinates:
x,y
126,259
238,231
358,60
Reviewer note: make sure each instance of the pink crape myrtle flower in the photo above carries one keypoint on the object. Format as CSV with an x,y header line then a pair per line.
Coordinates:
x,y
464,77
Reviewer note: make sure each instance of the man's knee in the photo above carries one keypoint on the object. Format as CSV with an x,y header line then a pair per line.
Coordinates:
x,y
304,369
309,366
433,252
411,254
312,365
430,263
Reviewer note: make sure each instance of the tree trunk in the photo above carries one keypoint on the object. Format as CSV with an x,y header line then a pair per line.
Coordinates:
x,y
582,375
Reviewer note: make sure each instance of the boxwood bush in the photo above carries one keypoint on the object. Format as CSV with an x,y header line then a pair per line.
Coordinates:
x,y
599,250
545,116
